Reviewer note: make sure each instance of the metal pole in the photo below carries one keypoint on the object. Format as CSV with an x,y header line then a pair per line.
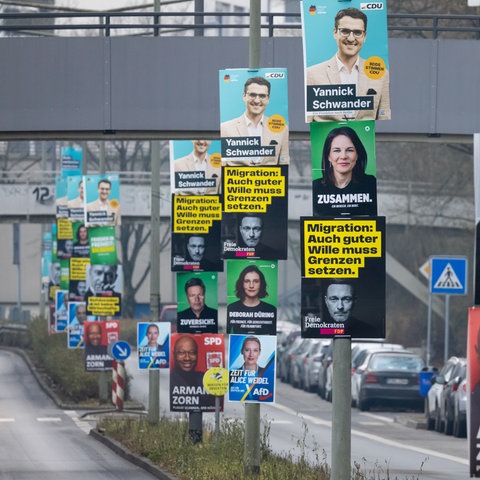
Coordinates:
x,y
429,329
103,378
43,229
341,409
199,20
154,375
447,323
251,456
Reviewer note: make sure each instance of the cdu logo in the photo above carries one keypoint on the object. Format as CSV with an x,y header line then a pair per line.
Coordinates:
x,y
371,6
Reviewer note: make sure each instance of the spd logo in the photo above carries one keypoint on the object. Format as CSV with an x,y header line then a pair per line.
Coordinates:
x,y
371,6
275,75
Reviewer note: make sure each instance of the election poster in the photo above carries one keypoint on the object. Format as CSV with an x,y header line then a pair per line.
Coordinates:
x,y
61,198
343,169
195,167
102,200
473,383
76,198
153,345
252,287
255,217
196,224
197,302
251,368
71,160
190,358
77,287
104,290
64,274
64,238
61,310
343,278
254,116
103,246
81,243
346,64
97,336
77,316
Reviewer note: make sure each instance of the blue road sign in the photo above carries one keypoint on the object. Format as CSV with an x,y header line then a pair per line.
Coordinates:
x,y
448,275
121,350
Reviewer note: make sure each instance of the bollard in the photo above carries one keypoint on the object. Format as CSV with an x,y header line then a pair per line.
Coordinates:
x,y
118,383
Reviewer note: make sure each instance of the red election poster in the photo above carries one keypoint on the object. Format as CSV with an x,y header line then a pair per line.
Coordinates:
x,y
190,357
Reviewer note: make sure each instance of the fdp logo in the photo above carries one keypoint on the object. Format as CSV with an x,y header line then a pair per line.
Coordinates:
x,y
371,6
275,75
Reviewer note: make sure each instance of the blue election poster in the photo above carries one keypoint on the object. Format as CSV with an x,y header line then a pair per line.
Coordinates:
x,y
153,345
252,368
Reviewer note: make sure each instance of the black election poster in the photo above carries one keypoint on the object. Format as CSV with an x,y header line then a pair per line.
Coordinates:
x,y
343,277
255,213
196,223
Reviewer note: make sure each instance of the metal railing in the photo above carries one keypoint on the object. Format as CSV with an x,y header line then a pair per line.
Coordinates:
x,y
215,24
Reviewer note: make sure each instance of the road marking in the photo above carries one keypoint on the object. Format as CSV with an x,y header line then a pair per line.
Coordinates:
x,y
83,425
6,420
378,417
375,438
49,419
372,424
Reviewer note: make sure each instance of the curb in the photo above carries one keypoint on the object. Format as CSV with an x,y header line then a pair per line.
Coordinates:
x,y
417,422
141,462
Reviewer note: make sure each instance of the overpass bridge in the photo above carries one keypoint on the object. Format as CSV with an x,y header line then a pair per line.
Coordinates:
x,y
162,83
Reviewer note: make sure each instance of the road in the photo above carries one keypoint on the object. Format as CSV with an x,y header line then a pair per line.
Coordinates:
x,y
300,423
38,441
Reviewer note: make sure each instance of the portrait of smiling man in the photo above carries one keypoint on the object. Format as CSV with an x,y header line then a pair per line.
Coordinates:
x,y
346,67
254,123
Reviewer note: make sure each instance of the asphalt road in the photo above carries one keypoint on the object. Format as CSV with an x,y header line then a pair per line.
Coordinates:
x,y
382,439
39,441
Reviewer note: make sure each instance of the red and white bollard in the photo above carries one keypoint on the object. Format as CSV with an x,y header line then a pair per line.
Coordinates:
x,y
118,383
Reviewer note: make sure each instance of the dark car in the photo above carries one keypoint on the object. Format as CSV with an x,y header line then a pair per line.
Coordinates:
x,y
390,376
446,410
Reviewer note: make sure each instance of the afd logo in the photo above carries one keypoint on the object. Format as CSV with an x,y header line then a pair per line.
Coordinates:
x,y
371,6
275,75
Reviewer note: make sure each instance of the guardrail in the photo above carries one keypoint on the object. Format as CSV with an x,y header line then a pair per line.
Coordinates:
x,y
214,24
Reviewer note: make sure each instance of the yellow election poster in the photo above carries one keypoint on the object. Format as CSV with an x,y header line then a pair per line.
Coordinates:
x,y
343,277
255,217
196,223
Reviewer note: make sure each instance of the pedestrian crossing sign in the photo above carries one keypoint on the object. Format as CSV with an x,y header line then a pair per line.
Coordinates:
x,y
448,275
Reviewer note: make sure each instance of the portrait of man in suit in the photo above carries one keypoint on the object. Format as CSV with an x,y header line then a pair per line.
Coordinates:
x,y
103,210
346,67
207,180
254,123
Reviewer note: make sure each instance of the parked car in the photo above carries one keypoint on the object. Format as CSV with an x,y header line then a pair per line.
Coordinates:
x,y
360,353
284,342
388,376
433,395
302,361
460,410
447,397
296,362
360,350
313,364
285,359
322,371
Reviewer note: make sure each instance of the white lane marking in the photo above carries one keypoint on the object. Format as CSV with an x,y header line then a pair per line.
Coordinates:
x,y
378,417
375,438
372,424
49,419
83,425
6,420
